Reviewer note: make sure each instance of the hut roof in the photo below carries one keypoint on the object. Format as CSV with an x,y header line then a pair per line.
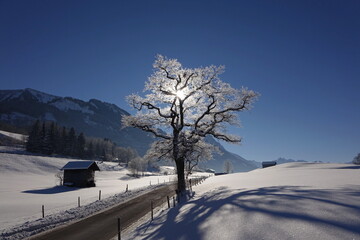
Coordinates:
x,y
73,165
268,164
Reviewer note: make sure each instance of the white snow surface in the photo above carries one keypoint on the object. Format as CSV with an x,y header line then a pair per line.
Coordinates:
x,y
66,104
16,136
42,97
27,182
88,121
288,201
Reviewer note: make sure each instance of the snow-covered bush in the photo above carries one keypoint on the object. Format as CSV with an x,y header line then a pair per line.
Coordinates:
x,y
137,165
59,178
228,167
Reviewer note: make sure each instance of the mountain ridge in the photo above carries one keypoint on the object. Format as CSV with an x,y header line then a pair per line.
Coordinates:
x,y
95,118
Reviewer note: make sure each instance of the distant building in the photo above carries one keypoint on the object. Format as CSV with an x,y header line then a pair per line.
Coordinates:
x,y
80,173
220,173
268,164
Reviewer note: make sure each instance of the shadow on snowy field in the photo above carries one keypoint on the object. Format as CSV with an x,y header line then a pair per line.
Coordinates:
x,y
52,190
347,167
279,212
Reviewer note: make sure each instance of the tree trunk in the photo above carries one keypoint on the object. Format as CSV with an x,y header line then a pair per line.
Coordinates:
x,y
180,162
180,167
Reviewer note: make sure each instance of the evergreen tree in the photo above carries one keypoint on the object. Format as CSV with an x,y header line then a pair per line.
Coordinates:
x,y
43,143
47,139
61,144
103,154
34,141
52,137
90,150
70,143
98,150
57,139
80,146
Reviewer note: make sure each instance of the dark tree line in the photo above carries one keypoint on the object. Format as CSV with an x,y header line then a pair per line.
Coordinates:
x,y
50,139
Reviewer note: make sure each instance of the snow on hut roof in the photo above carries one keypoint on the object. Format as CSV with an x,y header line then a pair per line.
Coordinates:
x,y
72,165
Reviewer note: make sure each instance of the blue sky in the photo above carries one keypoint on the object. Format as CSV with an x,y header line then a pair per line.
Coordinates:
x,y
302,56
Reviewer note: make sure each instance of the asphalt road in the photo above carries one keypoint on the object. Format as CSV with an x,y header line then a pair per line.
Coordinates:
x,y
103,225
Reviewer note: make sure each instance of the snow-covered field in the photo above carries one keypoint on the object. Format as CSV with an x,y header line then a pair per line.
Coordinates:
x,y
27,182
288,201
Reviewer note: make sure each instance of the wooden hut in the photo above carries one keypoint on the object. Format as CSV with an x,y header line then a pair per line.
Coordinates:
x,y
80,173
268,164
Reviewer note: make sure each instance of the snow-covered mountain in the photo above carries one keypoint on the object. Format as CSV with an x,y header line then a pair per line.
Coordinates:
x,y
239,164
94,118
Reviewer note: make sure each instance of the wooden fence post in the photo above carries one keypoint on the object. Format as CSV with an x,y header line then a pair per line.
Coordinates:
x,y
119,230
127,187
78,201
152,212
99,195
168,200
43,211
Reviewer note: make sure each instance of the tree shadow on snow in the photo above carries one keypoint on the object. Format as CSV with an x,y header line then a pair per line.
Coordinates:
x,y
278,202
348,167
52,190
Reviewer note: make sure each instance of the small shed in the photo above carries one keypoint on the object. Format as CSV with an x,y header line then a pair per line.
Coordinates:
x,y
220,173
268,164
80,173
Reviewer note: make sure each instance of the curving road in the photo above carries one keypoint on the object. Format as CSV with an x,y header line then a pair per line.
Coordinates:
x,y
103,225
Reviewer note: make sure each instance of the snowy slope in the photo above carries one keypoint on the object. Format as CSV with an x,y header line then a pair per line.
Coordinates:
x,y
27,182
16,136
288,201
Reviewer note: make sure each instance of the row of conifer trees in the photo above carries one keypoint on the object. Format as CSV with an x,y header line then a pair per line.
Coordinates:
x,y
49,138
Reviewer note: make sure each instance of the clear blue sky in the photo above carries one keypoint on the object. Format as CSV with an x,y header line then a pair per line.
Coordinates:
x,y
302,56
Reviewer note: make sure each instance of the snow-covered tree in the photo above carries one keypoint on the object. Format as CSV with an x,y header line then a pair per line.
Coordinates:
x,y
60,178
137,165
356,159
182,106
228,167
